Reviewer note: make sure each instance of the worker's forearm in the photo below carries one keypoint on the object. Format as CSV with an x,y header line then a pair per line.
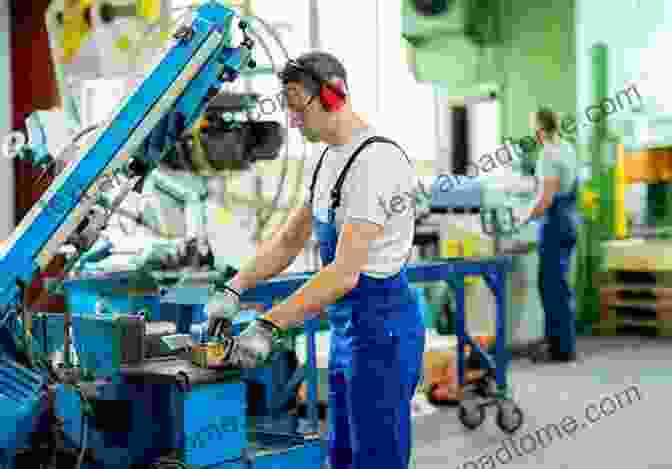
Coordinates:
x,y
538,209
329,285
271,259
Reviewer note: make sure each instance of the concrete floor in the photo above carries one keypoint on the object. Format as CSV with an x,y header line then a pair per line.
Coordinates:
x,y
633,374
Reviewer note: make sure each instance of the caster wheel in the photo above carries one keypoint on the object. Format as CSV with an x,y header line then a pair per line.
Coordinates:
x,y
471,415
509,417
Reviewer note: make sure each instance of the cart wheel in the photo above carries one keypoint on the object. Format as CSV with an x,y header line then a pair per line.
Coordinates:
x,y
471,415
509,417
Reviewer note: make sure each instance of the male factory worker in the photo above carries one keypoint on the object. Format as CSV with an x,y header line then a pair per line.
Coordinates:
x,y
557,171
377,333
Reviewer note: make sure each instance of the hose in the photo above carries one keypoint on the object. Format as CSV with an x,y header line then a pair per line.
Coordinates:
x,y
83,441
265,218
169,464
53,162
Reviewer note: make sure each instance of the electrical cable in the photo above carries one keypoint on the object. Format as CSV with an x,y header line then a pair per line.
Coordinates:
x,y
53,161
263,220
169,464
83,442
166,463
266,217
271,32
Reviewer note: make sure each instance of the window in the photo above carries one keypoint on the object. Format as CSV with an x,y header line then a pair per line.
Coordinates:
x,y
384,91
484,132
291,20
351,34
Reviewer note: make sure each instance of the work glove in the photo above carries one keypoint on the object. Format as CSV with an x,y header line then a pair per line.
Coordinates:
x,y
222,308
253,347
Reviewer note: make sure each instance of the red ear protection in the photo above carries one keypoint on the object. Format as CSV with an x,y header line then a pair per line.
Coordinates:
x,y
332,97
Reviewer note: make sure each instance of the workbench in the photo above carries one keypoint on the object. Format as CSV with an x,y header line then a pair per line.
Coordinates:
x,y
188,292
494,270
193,290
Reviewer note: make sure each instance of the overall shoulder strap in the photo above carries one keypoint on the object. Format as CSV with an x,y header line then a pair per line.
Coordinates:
x,y
317,170
336,191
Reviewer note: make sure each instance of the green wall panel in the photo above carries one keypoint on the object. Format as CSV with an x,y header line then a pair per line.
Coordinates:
x,y
537,61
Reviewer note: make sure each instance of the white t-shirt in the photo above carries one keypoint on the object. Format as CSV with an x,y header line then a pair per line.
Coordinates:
x,y
379,188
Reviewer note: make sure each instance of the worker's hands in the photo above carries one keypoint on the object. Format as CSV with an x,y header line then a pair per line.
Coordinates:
x,y
253,346
222,308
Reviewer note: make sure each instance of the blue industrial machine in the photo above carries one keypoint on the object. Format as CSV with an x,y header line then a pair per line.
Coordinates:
x,y
126,399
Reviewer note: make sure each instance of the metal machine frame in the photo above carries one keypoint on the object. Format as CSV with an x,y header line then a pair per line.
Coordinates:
x,y
34,397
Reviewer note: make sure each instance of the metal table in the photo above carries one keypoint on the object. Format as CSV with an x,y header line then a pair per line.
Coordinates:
x,y
193,289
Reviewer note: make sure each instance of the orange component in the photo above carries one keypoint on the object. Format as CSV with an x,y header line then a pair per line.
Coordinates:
x,y
446,393
640,167
484,341
203,123
302,392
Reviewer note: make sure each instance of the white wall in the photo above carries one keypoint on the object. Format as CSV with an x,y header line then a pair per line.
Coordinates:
x,y
6,166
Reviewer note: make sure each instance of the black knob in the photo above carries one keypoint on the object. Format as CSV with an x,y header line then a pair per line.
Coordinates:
x,y
431,7
251,63
243,25
107,13
184,33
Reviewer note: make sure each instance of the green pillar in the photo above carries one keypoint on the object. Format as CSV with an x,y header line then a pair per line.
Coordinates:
x,y
594,232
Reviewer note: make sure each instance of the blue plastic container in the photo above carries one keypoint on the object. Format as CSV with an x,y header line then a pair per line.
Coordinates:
x,y
21,404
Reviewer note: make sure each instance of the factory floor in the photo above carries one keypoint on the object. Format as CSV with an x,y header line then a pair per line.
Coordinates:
x,y
629,377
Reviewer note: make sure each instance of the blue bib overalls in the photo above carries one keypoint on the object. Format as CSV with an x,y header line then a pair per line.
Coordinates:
x,y
375,358
557,238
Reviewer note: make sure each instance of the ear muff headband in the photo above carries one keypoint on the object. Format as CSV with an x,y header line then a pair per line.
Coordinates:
x,y
332,97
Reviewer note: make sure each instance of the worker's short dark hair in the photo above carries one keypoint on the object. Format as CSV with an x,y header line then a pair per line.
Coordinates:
x,y
322,64
547,120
